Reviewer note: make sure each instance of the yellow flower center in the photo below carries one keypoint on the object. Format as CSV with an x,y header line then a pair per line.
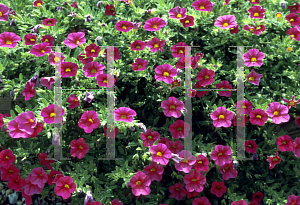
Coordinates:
x,y
172,107
67,186
292,20
41,175
250,145
153,170
221,117
275,160
46,40
292,103
155,26
256,14
75,100
156,45
202,7
50,22
10,171
251,78
220,154
77,42
278,15
251,29
149,137
275,113
137,47
80,147
185,161
8,42
232,28
104,81
177,189
31,120
179,16
253,60
257,28
193,180
206,77
292,35
253,1
38,4
175,84
91,120
6,157
200,162
225,24
284,142
123,117
244,106
258,116
32,39
42,51
179,129
56,59
166,74
159,154
93,51
94,71
52,115
140,66
180,51
68,70
187,21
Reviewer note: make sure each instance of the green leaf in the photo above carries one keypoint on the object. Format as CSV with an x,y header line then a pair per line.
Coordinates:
x,y
21,77
45,102
213,60
18,109
12,113
138,148
121,150
155,121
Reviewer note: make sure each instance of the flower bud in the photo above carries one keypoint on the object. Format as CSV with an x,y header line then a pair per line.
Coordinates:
x,y
99,39
1,79
282,3
59,8
179,71
99,4
88,18
36,28
12,93
103,25
255,156
165,33
133,129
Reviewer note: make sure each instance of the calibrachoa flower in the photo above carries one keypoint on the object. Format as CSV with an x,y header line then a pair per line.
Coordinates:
x,y
29,90
154,24
45,162
137,45
226,2
258,117
48,82
92,50
294,8
278,15
278,112
116,54
177,13
244,107
155,45
89,121
160,153
30,39
37,3
240,120
174,147
293,18
39,127
38,177
234,29
218,188
224,84
41,49
253,203
221,154
49,39
177,191
254,77
154,171
52,175
124,26
53,60
179,129
149,137
200,93
4,12
7,172
73,100
178,50
226,21
186,163
172,107
221,117
64,187
201,201
115,202
15,132
27,122
202,5
30,188
74,5
188,21
93,69
68,69
75,39
116,132
52,114
175,83
257,12
194,181
136,26
79,148
250,146
201,163
140,183
273,160
9,39
139,64
258,196
253,58
285,143
84,59
291,102
205,77
240,202
6,158
293,200
124,114
110,10
16,182
228,171
49,22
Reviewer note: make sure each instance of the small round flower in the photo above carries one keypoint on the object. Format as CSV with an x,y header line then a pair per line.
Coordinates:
x,y
218,188
250,146
64,187
154,24
137,45
124,26
172,107
7,158
160,153
177,191
140,183
30,39
89,121
49,22
226,21
124,114
221,117
79,148
285,143
149,137
221,154
9,39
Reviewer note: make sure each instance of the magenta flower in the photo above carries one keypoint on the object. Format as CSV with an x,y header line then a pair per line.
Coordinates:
x,y
30,188
105,80
15,132
4,12
244,107
48,39
49,22
221,154
228,171
177,191
234,29
124,26
37,3
294,33
205,77
116,54
226,21
73,100
253,58
294,8
140,183
278,113
30,39
154,171
136,26
201,163
257,12
27,122
75,39
154,24
174,147
254,77
79,148
221,117
29,90
177,13
160,153
224,84
124,114
285,143
93,69
186,163
38,177
172,107
178,50
53,60
6,158
296,149
202,5
68,69
139,64
179,129
52,114
84,59
149,137
89,121
48,82
137,45
9,39
293,18
194,181
155,45
254,1
92,50
291,102
165,73
64,187
258,117
41,49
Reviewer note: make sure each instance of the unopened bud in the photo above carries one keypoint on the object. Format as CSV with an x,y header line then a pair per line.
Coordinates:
x,y
282,3
99,4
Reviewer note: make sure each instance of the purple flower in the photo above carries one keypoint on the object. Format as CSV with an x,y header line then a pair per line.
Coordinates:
x,y
88,18
88,197
35,80
89,96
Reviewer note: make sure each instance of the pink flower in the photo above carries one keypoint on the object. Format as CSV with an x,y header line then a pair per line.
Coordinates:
x,y
38,177
177,191
205,77
48,39
240,120
49,22
79,148
174,147
226,21
40,49
27,122
84,59
257,12
154,24
52,114
28,199
139,64
68,69
224,84
115,202
149,137
155,45
52,175
218,188
4,12
228,171
188,21
294,8
178,50
293,200
137,45
254,77
53,60
201,201
160,153
244,107
201,163
253,58
124,114
64,187
172,107
240,202
8,39
221,117
116,132
202,5
165,73
15,132
254,1
293,18
186,163
291,102
16,182
273,160
221,154
258,117
177,13
200,94
297,121
105,80
92,50
48,82
175,83
8,172
6,158
30,188
89,121
124,26
30,39
250,146
278,113
285,143
37,3
194,181
140,183
234,29
296,147
93,69
73,100
154,171
116,54
29,90
179,129
75,39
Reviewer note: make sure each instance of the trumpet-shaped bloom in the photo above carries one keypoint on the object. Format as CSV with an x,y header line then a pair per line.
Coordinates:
x,y
30,39
291,102
165,73
16,182
258,117
27,122
240,202
253,58
15,132
105,80
296,149
294,8
53,60
177,191
140,183
29,90
52,114
257,12
48,39
228,171
9,39
64,187
221,117
73,100
79,148
68,69
285,143
293,18
110,10
92,50
278,112
89,121
93,69
174,147
178,50
30,188
52,175
137,45
37,3
240,120
6,158
124,26
244,107
293,200
49,22
222,85
188,21
201,163
41,49
48,82
84,59
139,64
179,129
154,24
172,107
116,54
194,181
149,137
175,83
38,177
273,160
177,13
201,201
4,12
234,29
160,153
258,196
114,136
186,163
218,188
75,39
7,172
254,77
200,94
250,146
205,77
154,171
225,22
155,45
45,162
202,5
221,154
124,114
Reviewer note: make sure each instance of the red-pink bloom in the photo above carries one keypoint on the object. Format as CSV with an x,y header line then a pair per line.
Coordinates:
x,y
240,202
226,3
41,49
92,50
6,158
172,107
39,127
124,114
253,203
9,39
177,13
73,100
137,45
201,201
205,77
194,181
254,77
154,24
155,45
28,199
94,203
93,69
139,64
37,3
136,26
140,183
49,22
293,18
53,60
226,21
258,117
179,129
221,117
115,202
124,26
52,175
234,29
222,85
254,1
175,83
186,163
16,182
201,163
15,132
74,5
165,73
75,39
240,120
84,59
49,39
190,62
4,12
221,154
202,5
7,172
149,137
293,200
250,146
291,102
257,12
79,148
89,121
273,160
154,171
30,39
38,176
64,187
178,50
52,114
258,196
297,121
160,153
48,82
30,188
244,107
285,143
115,53
253,58
174,147
177,191
228,171
57,177
29,90
110,10
218,188
278,112
68,69
296,149
188,21
116,132
200,94
27,122
294,8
